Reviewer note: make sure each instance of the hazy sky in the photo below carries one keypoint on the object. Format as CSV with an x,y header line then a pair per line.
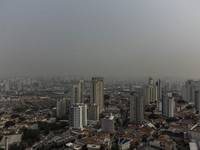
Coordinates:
x,y
100,37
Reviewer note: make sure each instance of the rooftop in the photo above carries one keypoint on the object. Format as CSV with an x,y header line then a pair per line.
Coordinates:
x,y
124,140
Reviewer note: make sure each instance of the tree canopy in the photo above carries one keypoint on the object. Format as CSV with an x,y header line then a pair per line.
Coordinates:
x,y
31,136
9,124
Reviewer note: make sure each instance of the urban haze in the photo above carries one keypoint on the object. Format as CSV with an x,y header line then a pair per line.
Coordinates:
x,y
106,38
99,75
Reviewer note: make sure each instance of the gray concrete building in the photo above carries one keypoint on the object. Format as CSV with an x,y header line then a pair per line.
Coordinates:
x,y
168,105
107,124
136,107
97,92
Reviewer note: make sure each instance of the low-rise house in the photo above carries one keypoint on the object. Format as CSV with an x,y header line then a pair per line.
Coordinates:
x,y
145,131
124,143
135,140
100,140
51,120
158,120
104,134
73,146
94,146
175,128
163,143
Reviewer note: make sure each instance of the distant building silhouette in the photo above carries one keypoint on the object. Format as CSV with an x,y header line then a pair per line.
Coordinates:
x,y
150,92
188,91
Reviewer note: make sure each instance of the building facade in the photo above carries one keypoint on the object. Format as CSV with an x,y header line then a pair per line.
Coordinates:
x,y
78,116
159,89
168,105
150,92
81,91
77,93
197,100
97,92
136,107
107,124
158,106
61,108
189,89
93,112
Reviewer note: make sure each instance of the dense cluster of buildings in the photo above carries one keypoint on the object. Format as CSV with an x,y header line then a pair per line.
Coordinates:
x,y
97,116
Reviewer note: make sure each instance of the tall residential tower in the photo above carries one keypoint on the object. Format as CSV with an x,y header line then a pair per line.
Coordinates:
x,y
77,94
78,116
150,92
97,92
136,107
168,105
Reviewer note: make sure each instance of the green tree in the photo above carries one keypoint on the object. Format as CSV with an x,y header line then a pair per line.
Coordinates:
x,y
171,119
157,125
115,147
106,97
144,139
14,147
155,135
24,145
31,136
21,119
43,126
152,116
102,147
54,126
19,110
9,124
122,111
197,112
15,116
131,146
43,148
106,104
189,107
182,148
118,121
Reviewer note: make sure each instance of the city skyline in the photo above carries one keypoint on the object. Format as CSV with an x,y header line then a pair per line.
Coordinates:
x,y
100,38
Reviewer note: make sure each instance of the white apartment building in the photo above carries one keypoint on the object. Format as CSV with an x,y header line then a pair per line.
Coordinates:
x,y
78,116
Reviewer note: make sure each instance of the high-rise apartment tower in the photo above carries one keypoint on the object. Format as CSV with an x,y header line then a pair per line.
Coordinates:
x,y
168,105
77,93
136,107
97,92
